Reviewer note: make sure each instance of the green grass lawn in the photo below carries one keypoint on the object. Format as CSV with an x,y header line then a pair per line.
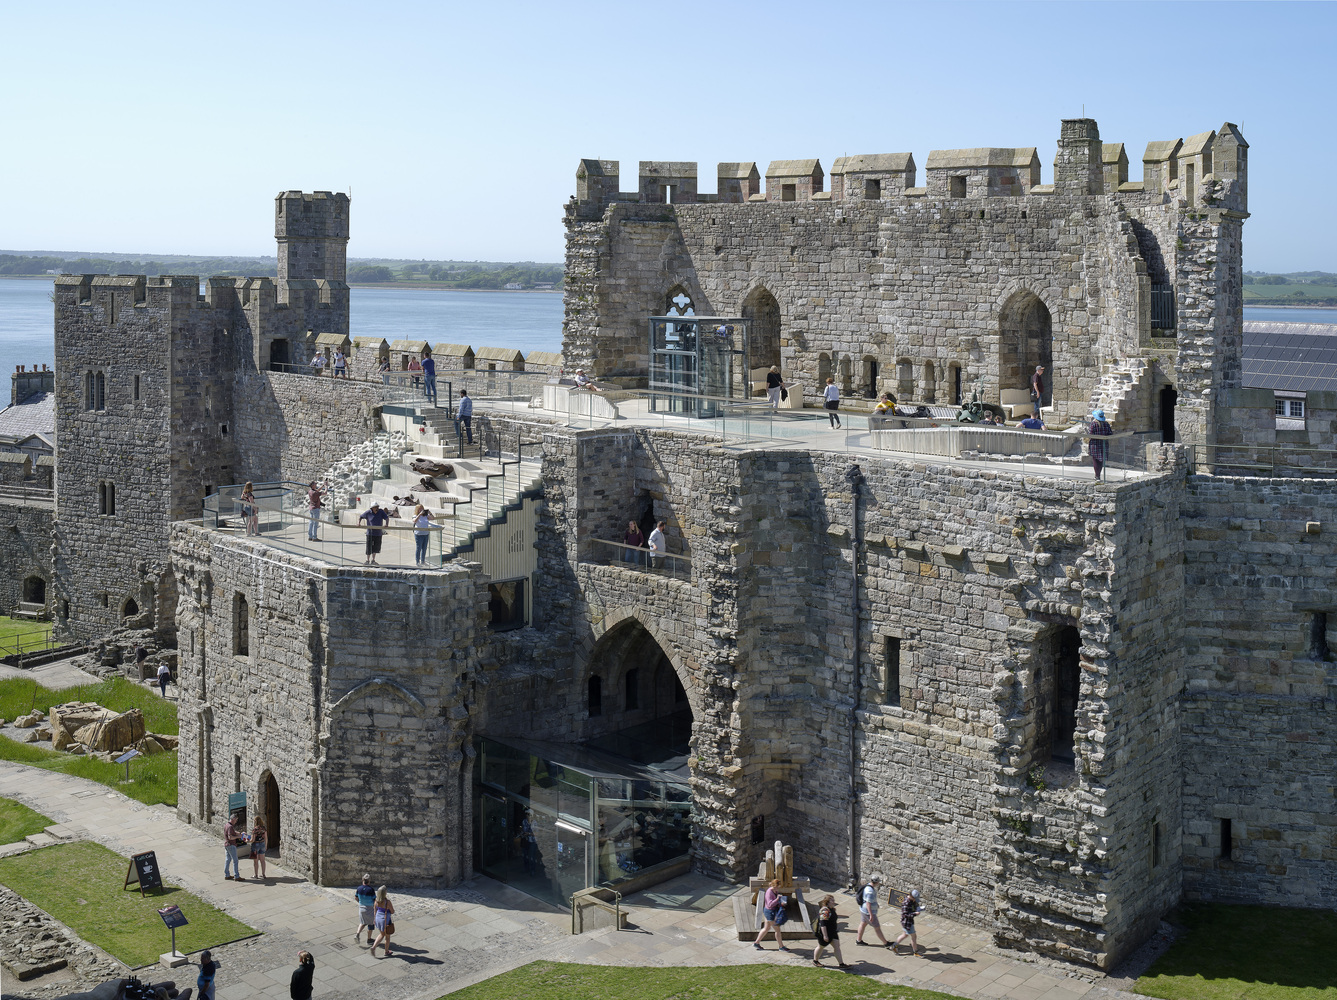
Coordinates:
x,y
82,886
19,696
564,981
18,821
1263,292
18,635
153,779
1247,953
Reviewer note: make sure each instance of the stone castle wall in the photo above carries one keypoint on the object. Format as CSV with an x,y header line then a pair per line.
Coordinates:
x,y
1260,705
346,678
25,548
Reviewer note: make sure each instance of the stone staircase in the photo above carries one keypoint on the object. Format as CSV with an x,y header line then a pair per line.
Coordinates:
x,y
1124,389
480,491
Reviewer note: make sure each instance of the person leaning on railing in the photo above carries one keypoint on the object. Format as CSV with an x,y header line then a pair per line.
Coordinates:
x,y
635,538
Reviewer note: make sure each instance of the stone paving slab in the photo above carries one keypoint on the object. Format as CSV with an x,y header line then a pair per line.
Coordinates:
x,y
452,938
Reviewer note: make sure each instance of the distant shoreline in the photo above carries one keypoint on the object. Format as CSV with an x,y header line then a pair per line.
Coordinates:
x,y
429,285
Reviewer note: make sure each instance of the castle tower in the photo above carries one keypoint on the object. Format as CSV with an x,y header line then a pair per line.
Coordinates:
x,y
312,233
1078,167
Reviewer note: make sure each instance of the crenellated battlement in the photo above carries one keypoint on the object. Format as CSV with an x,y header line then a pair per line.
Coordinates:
x,y
1207,170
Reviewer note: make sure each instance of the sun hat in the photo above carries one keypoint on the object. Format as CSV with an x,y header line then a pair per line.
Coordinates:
x,y
1099,414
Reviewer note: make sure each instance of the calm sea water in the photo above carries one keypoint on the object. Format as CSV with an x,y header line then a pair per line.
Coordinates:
x,y
528,321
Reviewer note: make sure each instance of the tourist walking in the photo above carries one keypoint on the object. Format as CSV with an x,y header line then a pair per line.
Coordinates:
x,y
827,930
1098,450
385,924
633,537
315,499
250,510
772,908
231,838
465,415
164,675
384,369
300,987
658,544
375,517
340,363
422,524
317,363
1038,389
415,370
429,377
775,386
259,845
204,982
909,910
366,908
832,396
868,911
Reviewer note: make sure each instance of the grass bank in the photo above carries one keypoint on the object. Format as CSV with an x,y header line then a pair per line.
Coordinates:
x,y
153,779
1247,953
18,821
83,886
564,981
19,696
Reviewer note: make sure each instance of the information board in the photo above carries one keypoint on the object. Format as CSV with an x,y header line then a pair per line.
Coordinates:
x,y
144,871
173,917
236,802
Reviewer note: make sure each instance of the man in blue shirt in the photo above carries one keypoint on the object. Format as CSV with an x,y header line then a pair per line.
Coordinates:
x,y
429,370
375,517
1033,423
466,414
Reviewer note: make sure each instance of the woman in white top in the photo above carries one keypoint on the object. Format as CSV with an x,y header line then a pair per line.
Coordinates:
x,y
422,523
832,396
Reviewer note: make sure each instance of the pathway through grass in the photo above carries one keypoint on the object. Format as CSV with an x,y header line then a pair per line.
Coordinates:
x,y
82,886
565,981
1247,953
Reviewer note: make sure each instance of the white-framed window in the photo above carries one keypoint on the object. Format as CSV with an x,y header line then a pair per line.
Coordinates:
x,y
1291,408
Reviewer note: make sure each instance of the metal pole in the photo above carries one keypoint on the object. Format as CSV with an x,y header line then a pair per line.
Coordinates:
x,y
854,476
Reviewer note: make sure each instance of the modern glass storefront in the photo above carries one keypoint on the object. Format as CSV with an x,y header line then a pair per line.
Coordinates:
x,y
594,818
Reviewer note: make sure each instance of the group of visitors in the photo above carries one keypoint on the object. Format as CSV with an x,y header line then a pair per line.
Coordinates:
x,y
338,364
826,926
235,838
376,913
656,544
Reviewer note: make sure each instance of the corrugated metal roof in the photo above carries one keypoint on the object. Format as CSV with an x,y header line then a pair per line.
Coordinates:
x,y
1299,357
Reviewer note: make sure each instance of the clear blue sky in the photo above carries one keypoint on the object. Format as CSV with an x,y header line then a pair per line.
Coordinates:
x,y
169,128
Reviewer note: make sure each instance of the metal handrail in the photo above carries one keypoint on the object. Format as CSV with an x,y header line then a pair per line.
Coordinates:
x,y
646,559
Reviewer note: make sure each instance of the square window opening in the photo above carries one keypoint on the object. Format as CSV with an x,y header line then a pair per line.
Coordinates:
x,y
958,187
506,604
872,190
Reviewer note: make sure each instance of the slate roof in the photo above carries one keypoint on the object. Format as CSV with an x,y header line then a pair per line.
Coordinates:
x,y
34,415
1298,357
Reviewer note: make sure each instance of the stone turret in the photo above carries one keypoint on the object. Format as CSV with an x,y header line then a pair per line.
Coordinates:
x,y
1078,167
312,233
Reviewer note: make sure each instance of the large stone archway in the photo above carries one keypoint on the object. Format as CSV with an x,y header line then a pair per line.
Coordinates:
x,y
1025,339
762,308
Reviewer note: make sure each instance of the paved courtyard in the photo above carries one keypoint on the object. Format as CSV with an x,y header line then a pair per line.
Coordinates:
x,y
447,939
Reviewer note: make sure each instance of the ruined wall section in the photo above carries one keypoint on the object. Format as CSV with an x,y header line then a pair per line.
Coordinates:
x,y
1260,705
291,427
26,528
351,688
1209,298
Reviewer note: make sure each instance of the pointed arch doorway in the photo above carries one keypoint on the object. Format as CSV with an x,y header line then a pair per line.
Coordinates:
x,y
612,809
